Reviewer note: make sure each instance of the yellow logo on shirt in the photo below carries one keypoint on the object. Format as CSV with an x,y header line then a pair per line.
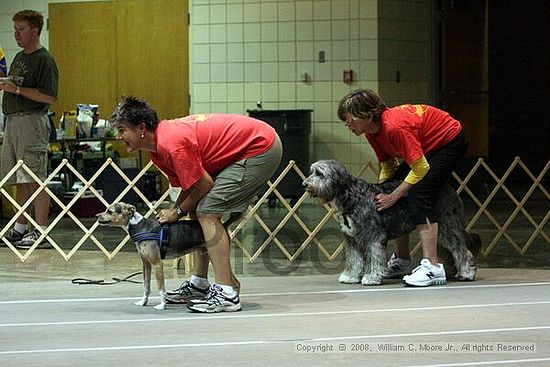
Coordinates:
x,y
201,117
416,109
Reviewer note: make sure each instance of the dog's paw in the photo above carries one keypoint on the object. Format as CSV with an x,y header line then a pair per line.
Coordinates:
x,y
371,279
141,302
348,278
467,274
161,306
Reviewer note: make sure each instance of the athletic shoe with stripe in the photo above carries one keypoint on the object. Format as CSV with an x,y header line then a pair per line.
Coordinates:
x,y
14,237
185,292
215,301
426,274
29,240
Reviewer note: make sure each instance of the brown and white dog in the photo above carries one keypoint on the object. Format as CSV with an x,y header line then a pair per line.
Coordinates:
x,y
155,241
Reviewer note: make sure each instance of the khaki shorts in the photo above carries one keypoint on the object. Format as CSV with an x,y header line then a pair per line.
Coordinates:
x,y
25,137
236,185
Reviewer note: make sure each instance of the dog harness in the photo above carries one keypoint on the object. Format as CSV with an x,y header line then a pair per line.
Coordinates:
x,y
160,234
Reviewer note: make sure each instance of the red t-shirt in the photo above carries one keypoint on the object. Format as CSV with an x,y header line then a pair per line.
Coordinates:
x,y
188,146
411,131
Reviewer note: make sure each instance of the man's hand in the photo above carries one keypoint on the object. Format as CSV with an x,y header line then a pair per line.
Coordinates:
x,y
7,86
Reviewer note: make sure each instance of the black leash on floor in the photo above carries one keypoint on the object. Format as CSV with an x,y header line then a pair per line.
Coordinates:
x,y
84,281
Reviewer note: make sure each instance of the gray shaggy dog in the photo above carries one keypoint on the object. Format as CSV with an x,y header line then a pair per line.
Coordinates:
x,y
367,231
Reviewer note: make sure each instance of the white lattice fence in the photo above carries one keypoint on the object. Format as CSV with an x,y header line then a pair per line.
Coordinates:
x,y
291,212
519,204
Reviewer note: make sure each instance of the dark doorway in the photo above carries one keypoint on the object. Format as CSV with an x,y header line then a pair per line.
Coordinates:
x,y
464,76
519,79
495,78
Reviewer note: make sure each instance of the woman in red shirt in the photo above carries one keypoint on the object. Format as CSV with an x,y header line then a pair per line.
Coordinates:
x,y
219,161
421,145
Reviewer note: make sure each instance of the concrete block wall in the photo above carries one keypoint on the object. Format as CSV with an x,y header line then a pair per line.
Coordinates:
x,y
245,51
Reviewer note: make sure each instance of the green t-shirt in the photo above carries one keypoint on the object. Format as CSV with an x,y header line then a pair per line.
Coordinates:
x,y
35,70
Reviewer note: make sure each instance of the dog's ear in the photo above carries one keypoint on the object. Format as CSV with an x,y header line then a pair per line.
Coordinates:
x,y
130,209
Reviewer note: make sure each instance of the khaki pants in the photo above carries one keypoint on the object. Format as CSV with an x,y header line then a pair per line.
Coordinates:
x,y
235,186
25,138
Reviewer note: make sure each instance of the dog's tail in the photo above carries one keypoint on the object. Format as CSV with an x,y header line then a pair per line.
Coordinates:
x,y
473,243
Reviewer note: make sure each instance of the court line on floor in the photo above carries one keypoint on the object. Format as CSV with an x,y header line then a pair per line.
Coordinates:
x,y
270,342
284,294
225,316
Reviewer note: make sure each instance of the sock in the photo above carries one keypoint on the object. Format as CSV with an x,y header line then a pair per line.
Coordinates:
x,y
199,282
228,290
19,227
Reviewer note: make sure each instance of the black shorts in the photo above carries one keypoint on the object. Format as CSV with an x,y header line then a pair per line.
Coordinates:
x,y
443,162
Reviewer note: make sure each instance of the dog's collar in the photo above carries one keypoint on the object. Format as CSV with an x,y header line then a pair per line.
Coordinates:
x,y
136,218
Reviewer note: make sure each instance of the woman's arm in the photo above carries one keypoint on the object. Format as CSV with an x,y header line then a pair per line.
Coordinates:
x,y
188,199
419,169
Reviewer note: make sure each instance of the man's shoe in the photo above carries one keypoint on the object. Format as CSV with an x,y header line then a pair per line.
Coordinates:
x,y
28,241
397,267
426,274
215,301
185,292
14,237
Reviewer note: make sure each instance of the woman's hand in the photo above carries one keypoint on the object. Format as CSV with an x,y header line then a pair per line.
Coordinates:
x,y
167,216
385,201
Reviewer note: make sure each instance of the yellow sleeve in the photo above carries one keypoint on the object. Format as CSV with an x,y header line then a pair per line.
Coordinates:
x,y
419,168
387,169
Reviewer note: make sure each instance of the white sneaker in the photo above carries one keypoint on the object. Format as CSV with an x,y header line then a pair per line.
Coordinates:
x,y
14,237
397,267
426,274
215,301
30,238
185,292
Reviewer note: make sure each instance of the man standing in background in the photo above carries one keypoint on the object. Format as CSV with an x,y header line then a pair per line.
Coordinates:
x,y
28,93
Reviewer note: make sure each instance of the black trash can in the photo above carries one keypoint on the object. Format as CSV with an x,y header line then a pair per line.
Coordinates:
x,y
112,185
293,127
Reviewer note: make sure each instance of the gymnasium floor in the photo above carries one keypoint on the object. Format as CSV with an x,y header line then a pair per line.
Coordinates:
x,y
304,318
